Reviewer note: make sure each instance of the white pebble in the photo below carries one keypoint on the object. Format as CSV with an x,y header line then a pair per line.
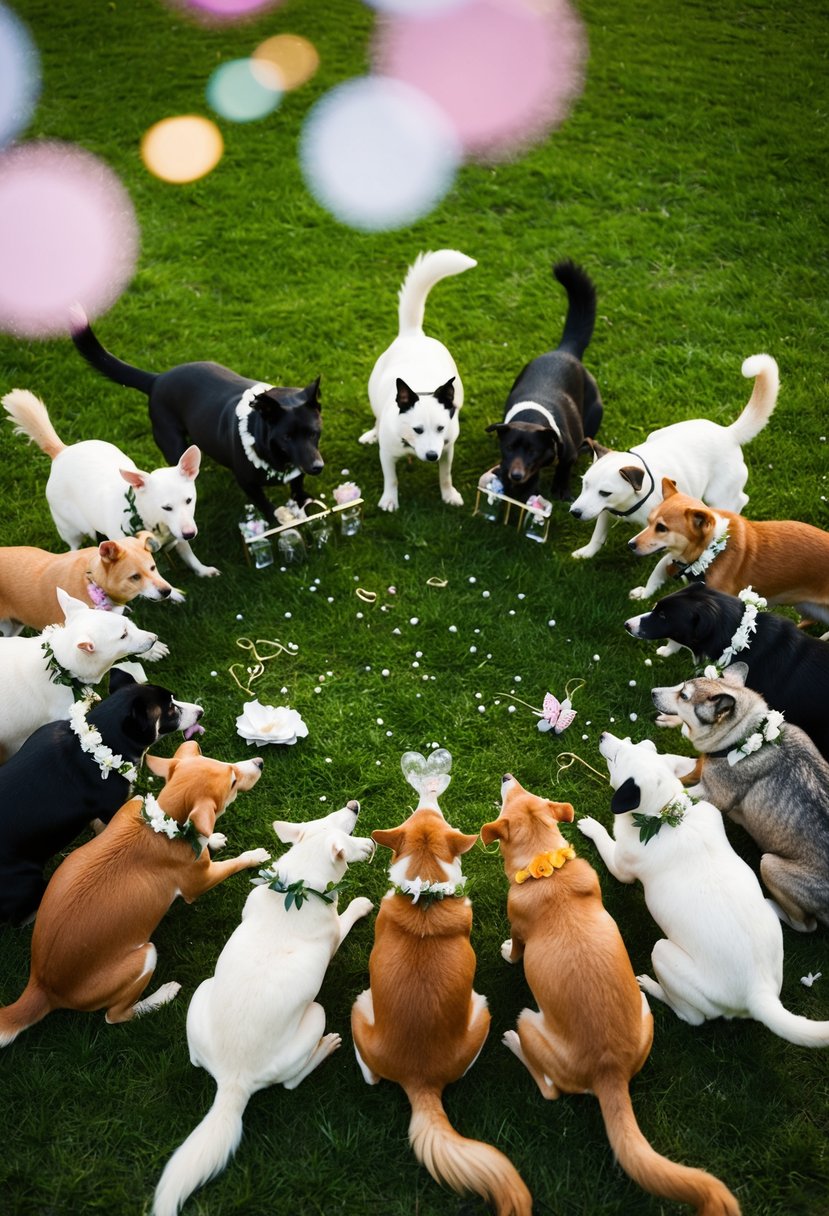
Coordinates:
x,y
318,689
481,709
649,662
239,616
415,663
473,649
359,616
397,631
214,673
317,581
368,668
521,595
584,736
472,578
612,719
321,679
343,472
423,678
405,557
633,717
485,595
453,629
388,734
510,709
418,654
385,672
330,599
323,798
596,658
479,696
517,679
434,745
497,702
413,620
631,683
328,760
476,631
379,721
288,615
312,587
551,623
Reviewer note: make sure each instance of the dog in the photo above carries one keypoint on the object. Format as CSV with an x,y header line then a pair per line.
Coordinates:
x,y
704,458
554,403
264,435
785,561
788,668
91,945
594,1028
96,490
722,954
54,786
40,676
108,576
256,1022
415,390
767,776
420,1023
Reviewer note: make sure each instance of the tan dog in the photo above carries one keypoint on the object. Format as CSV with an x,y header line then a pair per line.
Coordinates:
x,y
784,560
594,1029
91,945
420,1023
106,576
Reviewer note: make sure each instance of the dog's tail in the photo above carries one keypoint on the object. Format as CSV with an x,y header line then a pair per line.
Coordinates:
x,y
581,309
32,419
427,269
653,1172
101,359
761,403
205,1152
32,1005
766,1008
461,1164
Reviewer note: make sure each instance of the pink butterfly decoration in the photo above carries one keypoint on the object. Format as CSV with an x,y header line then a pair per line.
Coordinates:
x,y
556,715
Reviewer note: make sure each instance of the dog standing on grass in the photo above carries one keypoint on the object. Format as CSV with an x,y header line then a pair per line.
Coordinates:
x,y
594,1029
415,389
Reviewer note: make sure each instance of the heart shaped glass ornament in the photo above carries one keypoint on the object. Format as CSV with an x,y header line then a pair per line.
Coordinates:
x,y
429,777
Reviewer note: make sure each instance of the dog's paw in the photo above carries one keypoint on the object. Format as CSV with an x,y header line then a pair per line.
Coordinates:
x,y
369,436
255,857
217,841
328,1044
589,827
638,593
668,649
512,1042
209,572
668,720
584,552
388,502
361,906
159,650
452,498
506,950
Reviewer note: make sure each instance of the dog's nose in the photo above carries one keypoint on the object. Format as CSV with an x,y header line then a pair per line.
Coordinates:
x,y
629,626
515,474
353,805
189,533
575,512
632,544
431,455
259,762
164,592
507,777
316,468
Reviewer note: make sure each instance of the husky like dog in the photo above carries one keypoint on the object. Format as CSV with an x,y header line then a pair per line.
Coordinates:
x,y
766,775
722,954
256,1022
702,457
554,403
415,390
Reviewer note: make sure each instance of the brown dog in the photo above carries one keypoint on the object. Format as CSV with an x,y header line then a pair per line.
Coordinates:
x,y
594,1029
420,1023
783,560
91,945
107,576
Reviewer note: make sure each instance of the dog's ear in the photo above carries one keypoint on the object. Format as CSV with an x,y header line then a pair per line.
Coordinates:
x,y
150,542
311,393
389,838
189,748
120,679
736,673
190,463
562,811
204,815
633,474
716,708
668,488
288,833
446,395
459,843
406,397
69,605
497,830
110,551
626,798
699,520
134,477
590,445
161,766
681,766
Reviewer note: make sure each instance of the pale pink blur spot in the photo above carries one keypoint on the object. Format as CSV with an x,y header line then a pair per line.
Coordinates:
x,y
225,10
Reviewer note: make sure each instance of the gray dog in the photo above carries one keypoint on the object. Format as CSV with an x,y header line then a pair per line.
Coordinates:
x,y
766,775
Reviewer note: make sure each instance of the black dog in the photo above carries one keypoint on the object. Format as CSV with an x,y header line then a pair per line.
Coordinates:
x,y
50,790
263,434
789,668
554,404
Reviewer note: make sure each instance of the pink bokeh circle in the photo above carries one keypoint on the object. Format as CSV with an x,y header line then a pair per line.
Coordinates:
x,y
68,233
505,72
225,10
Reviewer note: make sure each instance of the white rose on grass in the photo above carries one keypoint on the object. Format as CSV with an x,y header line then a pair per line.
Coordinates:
x,y
270,724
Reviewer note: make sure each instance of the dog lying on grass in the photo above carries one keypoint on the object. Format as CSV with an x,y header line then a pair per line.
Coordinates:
x,y
722,954
91,945
256,1021
593,1030
766,775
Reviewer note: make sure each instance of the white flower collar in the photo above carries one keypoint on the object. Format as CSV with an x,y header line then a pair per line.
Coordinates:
x,y
742,638
428,892
91,742
153,815
244,408
712,551
672,813
768,731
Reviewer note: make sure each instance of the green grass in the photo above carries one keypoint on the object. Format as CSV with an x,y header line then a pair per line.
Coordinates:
x,y
690,182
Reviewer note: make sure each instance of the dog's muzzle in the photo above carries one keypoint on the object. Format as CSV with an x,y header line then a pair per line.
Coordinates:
x,y
575,512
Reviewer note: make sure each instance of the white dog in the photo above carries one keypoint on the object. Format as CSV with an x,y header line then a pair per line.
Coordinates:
x,y
415,390
93,487
702,457
39,676
722,954
255,1022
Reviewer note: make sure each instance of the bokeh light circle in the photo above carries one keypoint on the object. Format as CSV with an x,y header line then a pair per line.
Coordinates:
x,y
414,7
377,153
226,10
504,74
243,90
19,76
182,149
294,57
68,233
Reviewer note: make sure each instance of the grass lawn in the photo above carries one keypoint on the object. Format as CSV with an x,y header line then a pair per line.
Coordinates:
x,y
690,181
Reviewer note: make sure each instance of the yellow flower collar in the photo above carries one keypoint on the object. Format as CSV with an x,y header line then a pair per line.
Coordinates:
x,y
545,864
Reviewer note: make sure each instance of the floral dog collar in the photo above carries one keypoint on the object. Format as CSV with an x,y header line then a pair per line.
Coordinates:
x,y
545,864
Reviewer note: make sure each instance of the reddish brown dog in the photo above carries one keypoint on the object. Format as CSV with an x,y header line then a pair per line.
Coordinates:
x,y
783,560
91,945
594,1029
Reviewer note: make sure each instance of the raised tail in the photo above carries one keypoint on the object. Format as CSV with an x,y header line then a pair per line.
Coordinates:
x,y
32,1005
425,271
461,1164
31,418
102,360
205,1152
653,1172
767,1009
761,403
581,309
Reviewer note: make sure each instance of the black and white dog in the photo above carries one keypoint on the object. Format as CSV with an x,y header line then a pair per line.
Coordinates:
x,y
554,404
786,666
265,435
52,788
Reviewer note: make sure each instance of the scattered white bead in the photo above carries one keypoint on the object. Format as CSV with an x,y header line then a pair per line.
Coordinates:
x,y
415,663
413,620
453,629
631,683
288,615
434,745
318,689
485,595
368,668
379,721
328,760
497,702
472,578
312,587
214,673
551,623
323,798
385,672
633,717
584,736
389,734
396,631
343,472
359,616
649,662
284,690
479,696
321,679
521,595
481,709
473,649
239,616
512,612
423,678
510,709
612,719
317,581
405,557
596,658
330,599
377,762
517,679
418,654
